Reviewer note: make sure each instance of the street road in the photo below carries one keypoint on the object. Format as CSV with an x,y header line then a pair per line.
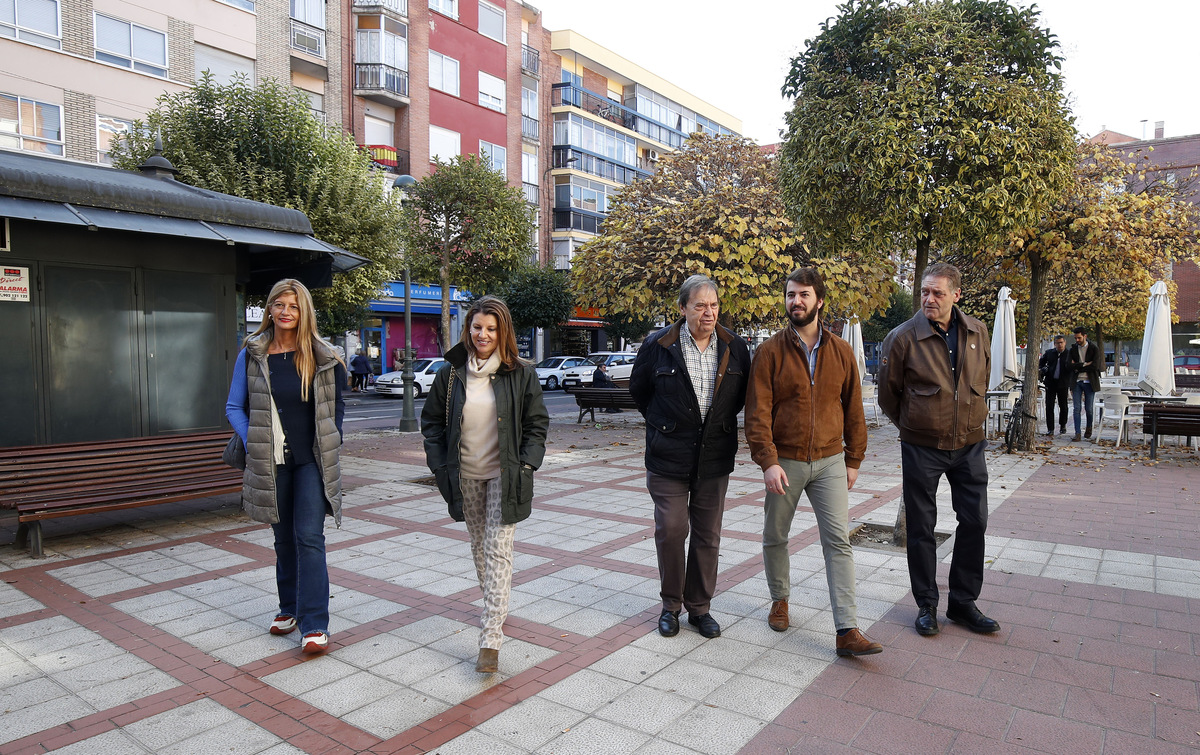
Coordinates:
x,y
371,411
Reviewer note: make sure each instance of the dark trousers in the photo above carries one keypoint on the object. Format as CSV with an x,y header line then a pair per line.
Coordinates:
x,y
360,381
301,573
1056,390
966,471
680,505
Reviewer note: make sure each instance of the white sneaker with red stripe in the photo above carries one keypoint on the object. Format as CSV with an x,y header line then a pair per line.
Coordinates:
x,y
283,624
315,642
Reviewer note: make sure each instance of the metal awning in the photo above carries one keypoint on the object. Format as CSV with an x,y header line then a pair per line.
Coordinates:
x,y
94,218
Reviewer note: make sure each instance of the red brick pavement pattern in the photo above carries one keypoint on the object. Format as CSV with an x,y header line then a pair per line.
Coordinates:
x,y
1076,668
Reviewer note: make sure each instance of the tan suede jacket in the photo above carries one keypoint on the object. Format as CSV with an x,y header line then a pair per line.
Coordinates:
x,y
919,393
794,415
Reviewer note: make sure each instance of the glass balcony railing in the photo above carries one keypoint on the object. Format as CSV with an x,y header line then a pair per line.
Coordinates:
x,y
399,7
615,112
381,77
308,39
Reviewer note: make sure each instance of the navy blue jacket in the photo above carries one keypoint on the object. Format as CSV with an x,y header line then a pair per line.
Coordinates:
x,y
678,444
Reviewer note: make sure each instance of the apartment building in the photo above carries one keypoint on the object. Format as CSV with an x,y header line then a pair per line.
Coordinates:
x,y
76,73
612,121
439,78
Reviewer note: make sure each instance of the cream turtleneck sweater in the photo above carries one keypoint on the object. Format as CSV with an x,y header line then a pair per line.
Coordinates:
x,y
479,436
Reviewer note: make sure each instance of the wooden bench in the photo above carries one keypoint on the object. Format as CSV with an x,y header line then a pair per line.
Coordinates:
x,y
591,399
1169,419
47,482
1187,380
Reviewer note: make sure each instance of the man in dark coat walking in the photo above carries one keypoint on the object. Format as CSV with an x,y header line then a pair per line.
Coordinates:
x,y
1055,370
689,382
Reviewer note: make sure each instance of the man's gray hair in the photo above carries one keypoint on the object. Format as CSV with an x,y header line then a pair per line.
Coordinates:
x,y
693,283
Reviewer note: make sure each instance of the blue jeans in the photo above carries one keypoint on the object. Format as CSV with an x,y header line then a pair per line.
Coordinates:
x,y
300,570
1085,391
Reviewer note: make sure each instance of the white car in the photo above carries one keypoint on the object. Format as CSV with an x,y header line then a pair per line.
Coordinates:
x,y
424,371
551,369
620,364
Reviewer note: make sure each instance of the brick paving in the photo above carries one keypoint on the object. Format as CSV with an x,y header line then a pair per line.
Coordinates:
x,y
145,631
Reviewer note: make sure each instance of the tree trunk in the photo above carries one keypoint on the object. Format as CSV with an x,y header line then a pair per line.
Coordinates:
x,y
920,262
445,276
1027,421
1100,350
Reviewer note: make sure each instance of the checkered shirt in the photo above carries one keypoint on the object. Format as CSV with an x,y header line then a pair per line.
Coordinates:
x,y
701,367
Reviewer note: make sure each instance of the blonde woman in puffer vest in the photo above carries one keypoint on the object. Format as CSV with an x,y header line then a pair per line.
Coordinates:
x,y
285,402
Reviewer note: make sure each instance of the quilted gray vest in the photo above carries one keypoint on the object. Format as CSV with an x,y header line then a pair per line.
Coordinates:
x,y
258,481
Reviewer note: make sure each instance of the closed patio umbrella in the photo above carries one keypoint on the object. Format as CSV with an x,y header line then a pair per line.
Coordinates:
x,y
1156,373
853,331
1004,340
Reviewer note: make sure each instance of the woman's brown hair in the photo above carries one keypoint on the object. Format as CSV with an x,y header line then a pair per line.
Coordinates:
x,y
506,336
306,330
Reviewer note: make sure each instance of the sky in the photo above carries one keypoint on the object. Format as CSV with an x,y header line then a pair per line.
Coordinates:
x,y
1125,62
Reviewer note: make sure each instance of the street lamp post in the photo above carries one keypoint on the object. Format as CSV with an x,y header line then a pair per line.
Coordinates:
x,y
408,419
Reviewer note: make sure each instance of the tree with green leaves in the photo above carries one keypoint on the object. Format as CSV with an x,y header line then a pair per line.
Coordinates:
x,y
538,296
711,208
627,327
933,123
1093,256
263,143
898,311
464,223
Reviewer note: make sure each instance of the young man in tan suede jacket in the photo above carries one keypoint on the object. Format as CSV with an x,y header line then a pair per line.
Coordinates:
x,y
806,429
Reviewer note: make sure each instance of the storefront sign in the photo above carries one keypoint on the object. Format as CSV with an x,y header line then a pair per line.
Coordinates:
x,y
525,344
14,284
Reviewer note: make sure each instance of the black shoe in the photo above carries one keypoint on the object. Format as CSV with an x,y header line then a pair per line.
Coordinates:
x,y
707,625
972,618
1087,433
668,623
926,623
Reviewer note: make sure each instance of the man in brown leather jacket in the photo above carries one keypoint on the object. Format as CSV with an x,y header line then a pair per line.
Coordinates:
x,y
933,386
806,429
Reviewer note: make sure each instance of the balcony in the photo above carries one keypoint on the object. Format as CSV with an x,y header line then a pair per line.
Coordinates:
x,y
615,112
532,193
529,128
392,160
578,220
530,60
381,83
395,7
562,262
588,162
308,39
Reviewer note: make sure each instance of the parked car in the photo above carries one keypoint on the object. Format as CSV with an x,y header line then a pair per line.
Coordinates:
x,y
424,370
620,364
1187,364
550,370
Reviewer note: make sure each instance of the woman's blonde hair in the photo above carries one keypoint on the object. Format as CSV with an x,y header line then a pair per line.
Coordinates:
x,y
506,336
306,329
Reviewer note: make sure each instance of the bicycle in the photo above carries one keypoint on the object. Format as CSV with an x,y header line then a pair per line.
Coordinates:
x,y
1010,430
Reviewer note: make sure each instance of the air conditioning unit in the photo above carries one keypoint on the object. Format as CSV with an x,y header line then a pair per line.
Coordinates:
x,y
652,155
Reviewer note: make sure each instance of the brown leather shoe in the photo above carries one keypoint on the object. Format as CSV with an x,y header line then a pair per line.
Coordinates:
x,y
855,642
778,619
489,661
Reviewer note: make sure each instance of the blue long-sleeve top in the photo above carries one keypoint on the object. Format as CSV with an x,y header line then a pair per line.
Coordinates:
x,y
298,418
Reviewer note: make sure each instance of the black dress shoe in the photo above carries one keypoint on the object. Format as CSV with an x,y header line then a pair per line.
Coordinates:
x,y
926,623
668,623
707,625
972,618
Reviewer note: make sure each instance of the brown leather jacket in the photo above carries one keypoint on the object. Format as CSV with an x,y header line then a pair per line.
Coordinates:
x,y
791,414
919,393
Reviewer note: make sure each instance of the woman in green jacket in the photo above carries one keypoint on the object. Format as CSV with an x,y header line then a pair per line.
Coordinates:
x,y
485,427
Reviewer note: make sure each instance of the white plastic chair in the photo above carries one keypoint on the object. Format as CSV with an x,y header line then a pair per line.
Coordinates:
x,y
870,397
1000,406
1116,410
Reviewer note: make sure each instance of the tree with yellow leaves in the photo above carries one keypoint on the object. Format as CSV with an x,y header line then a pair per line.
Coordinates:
x,y
712,208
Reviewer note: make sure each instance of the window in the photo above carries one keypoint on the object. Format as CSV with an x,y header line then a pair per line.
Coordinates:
x,y
311,12
494,155
491,91
582,194
529,103
529,167
491,21
30,125
443,144
443,73
445,7
108,128
223,65
243,4
34,21
124,44
378,131
316,103
381,40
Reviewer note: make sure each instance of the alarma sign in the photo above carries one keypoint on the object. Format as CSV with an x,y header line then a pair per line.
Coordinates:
x,y
14,284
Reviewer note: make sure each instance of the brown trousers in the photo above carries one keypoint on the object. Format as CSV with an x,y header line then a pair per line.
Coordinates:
x,y
680,505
